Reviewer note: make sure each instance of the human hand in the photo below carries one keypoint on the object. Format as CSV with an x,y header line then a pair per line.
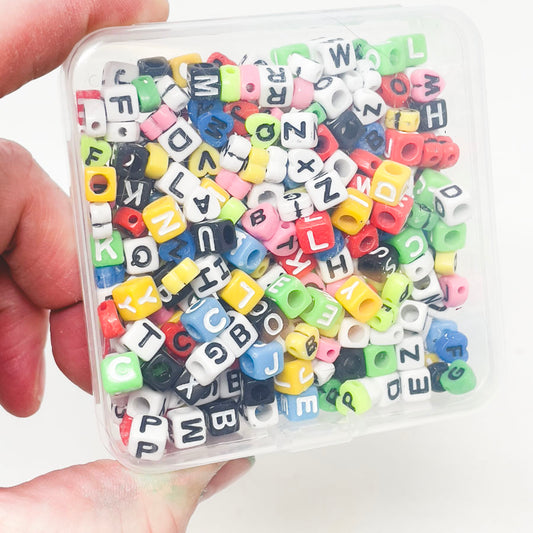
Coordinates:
x,y
40,288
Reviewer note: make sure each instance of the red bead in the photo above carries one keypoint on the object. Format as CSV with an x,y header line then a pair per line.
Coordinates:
x,y
315,233
404,148
361,183
297,264
367,162
125,428
364,242
219,59
109,320
391,218
327,144
84,95
240,111
395,90
178,342
432,153
130,222
450,152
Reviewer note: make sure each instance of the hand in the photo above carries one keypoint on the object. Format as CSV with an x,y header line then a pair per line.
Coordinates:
x,y
40,288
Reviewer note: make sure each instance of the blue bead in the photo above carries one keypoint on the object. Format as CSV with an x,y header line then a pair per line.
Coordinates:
x,y
373,139
337,247
248,253
205,319
179,248
436,330
301,407
262,361
109,275
196,108
451,346
289,184
214,128
155,195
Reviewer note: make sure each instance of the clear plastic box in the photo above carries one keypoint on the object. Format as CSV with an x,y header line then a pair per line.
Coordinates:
x,y
454,51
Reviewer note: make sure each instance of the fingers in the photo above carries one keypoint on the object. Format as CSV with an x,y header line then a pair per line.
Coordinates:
x,y
104,497
35,37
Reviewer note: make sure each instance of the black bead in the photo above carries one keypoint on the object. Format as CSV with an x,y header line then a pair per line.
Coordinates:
x,y
350,364
130,160
267,319
134,193
169,300
435,371
257,392
379,263
161,372
204,81
154,66
188,389
222,417
217,236
347,130
433,115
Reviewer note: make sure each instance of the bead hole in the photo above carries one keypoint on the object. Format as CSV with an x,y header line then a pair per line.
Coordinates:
x,y
141,406
263,412
366,244
410,313
356,333
409,151
98,184
133,219
381,359
386,219
295,298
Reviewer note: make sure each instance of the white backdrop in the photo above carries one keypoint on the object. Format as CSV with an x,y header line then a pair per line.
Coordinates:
x,y
468,474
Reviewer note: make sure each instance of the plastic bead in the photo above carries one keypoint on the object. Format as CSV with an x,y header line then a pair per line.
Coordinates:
x,y
161,372
257,392
188,427
147,93
204,161
353,213
446,238
263,128
458,379
451,346
121,103
299,407
205,320
358,299
232,210
262,361
230,81
455,290
328,394
368,105
372,139
333,95
148,437
389,182
209,360
391,219
410,244
276,86
306,68
121,372
222,417
380,263
395,89
354,397
241,110
180,141
452,204
428,182
302,343
261,222
363,242
433,115
94,152
415,384
296,376
177,340
290,295
242,292
100,184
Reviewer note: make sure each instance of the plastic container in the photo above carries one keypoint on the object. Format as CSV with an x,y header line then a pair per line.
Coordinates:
x,y
453,50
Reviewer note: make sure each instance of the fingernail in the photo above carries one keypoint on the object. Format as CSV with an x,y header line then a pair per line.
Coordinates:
x,y
154,11
229,473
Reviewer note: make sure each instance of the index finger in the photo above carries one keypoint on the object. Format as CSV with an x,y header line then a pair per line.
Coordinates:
x,y
36,37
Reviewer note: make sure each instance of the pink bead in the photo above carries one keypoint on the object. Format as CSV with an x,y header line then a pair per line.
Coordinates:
x,y
332,288
161,316
151,129
250,83
276,112
233,184
328,350
426,85
313,280
261,222
455,289
284,242
158,122
304,92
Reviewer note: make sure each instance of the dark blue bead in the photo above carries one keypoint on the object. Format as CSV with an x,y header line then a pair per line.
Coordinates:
x,y
373,139
336,249
109,275
179,248
214,128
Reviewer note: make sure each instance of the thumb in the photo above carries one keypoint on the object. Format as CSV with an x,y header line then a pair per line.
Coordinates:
x,y
105,497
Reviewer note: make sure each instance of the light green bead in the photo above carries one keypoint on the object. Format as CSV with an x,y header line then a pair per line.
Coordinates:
x,y
421,217
232,210
385,317
318,110
410,244
94,152
415,46
392,57
459,378
281,55
380,360
446,238
121,373
107,252
147,93
328,394
397,288
353,397
264,129
360,46
428,182
324,313
290,294
230,83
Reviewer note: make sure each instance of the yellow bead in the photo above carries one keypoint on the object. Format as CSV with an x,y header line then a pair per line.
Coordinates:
x,y
176,66
389,182
164,220
403,119
302,343
136,298
157,163
296,376
352,214
182,274
261,269
242,292
358,299
220,194
176,317
204,160
445,263
430,358
255,170
100,184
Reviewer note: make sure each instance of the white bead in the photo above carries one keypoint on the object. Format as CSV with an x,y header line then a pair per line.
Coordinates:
x,y
233,155
333,95
373,388
412,315
172,95
299,130
261,416
200,205
212,394
410,352
239,335
419,268
214,275
323,371
95,122
453,204
177,182
277,86
427,289
293,205
187,427
390,388
270,276
180,141
326,190
265,192
144,339
209,360
188,301
276,169
303,164
146,401
230,384
392,335
337,55
337,267
369,106
100,213
343,165
123,132
118,73
305,68
353,334
121,103
416,384
353,80
117,408
148,437
114,344
173,401
371,77
141,255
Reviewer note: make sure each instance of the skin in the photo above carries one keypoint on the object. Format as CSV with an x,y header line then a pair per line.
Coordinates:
x,y
39,280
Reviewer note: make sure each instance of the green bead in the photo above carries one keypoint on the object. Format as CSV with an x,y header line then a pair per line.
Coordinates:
x,y
324,313
360,46
121,373
290,295
328,394
281,55
446,238
415,46
397,288
147,93
107,252
94,153
428,182
459,378
380,360
264,129
354,397
392,57
420,216
318,110
232,210
385,317
410,244
230,83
